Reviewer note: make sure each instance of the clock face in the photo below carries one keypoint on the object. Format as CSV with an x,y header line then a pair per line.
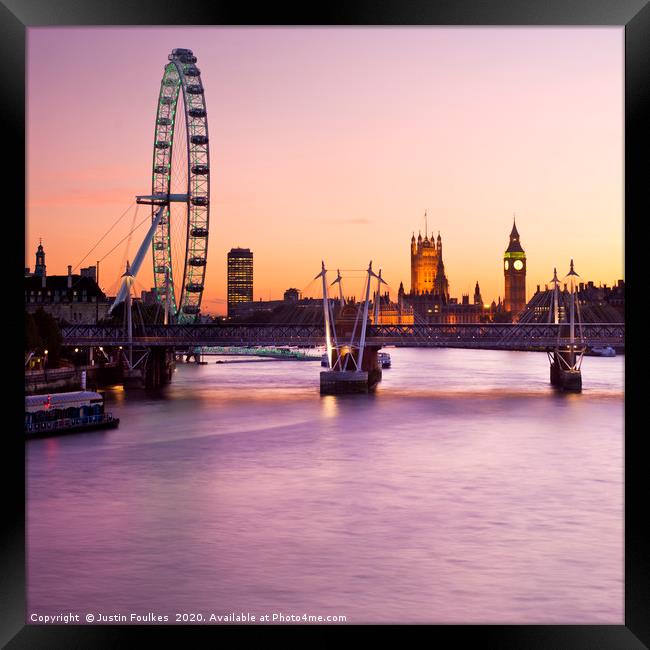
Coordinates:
x,y
506,265
518,265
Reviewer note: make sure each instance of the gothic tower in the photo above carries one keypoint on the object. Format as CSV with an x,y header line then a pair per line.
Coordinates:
x,y
39,269
424,262
478,300
414,252
427,268
441,287
514,270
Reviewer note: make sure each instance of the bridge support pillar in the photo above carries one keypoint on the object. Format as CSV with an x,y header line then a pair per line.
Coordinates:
x,y
154,369
565,369
159,368
364,380
133,378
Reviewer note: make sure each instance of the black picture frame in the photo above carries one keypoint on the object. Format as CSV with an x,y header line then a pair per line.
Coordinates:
x,y
634,15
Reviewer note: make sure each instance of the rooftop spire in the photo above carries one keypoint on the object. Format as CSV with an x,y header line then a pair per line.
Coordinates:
x,y
572,270
515,245
513,232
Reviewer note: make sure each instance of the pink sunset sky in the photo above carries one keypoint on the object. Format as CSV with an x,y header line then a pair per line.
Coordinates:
x,y
330,143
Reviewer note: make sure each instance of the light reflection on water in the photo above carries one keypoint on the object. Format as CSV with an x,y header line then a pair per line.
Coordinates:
x,y
465,490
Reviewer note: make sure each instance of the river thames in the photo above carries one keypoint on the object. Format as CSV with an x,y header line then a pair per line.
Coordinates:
x,y
465,490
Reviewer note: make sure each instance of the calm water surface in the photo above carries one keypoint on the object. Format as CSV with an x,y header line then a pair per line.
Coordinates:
x,y
465,490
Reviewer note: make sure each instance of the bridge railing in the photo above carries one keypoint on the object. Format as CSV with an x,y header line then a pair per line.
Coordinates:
x,y
506,335
495,330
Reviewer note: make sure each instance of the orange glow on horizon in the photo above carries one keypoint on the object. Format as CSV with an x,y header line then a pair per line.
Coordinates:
x,y
330,144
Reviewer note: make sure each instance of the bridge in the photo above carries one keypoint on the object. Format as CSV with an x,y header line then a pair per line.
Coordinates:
x,y
155,346
351,337
350,334
502,336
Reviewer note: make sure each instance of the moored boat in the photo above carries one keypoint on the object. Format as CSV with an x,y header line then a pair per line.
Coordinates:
x,y
602,351
384,359
62,413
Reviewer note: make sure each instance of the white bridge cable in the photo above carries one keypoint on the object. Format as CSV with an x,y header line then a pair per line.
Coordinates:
x,y
360,306
127,248
581,335
99,241
125,237
115,283
138,259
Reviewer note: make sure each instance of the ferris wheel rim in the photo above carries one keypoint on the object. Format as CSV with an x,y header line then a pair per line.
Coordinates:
x,y
181,74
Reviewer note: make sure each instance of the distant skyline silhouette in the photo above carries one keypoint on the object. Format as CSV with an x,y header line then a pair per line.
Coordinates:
x,y
330,143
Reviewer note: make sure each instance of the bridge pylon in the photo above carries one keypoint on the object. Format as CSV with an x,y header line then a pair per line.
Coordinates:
x,y
566,357
353,365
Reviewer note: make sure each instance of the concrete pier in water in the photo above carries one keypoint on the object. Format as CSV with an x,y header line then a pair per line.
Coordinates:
x,y
335,382
564,373
346,375
153,372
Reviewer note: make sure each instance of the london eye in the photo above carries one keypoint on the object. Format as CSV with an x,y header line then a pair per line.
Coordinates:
x,y
180,188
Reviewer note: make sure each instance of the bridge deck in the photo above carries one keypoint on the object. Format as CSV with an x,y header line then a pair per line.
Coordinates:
x,y
485,336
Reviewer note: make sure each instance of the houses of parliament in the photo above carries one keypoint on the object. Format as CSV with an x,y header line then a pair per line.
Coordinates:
x,y
429,301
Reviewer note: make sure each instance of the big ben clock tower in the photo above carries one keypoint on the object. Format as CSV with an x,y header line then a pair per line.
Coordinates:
x,y
514,270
